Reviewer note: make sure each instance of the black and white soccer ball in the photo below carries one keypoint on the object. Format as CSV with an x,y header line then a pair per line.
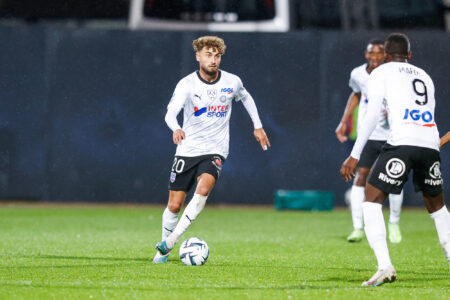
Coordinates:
x,y
194,252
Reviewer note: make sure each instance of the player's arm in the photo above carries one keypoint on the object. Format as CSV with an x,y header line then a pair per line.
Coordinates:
x,y
176,104
172,122
445,139
376,96
249,104
259,133
352,103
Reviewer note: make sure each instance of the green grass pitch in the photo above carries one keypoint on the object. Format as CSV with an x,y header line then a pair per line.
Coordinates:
x,y
255,253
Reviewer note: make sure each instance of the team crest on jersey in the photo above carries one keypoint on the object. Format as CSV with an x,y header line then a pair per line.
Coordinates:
x,y
223,99
173,176
395,167
435,170
212,94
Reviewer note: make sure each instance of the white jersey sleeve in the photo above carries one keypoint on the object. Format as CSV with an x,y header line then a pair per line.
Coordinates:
x,y
175,105
374,106
247,100
353,82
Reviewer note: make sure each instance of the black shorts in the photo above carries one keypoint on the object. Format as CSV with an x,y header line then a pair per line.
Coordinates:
x,y
391,169
185,170
370,153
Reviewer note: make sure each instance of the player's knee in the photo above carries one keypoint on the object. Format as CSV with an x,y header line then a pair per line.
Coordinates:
x,y
174,207
202,190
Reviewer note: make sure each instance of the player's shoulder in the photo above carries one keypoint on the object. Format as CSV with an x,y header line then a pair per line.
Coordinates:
x,y
359,71
188,80
421,71
229,76
381,69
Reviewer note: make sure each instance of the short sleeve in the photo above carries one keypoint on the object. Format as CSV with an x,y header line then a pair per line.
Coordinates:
x,y
353,83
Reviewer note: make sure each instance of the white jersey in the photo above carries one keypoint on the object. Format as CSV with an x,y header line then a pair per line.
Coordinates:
x,y
409,95
207,111
358,83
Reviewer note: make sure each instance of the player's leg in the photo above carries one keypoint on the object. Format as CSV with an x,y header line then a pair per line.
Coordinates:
x,y
169,220
182,178
439,213
428,179
205,184
395,207
356,199
388,175
170,215
376,236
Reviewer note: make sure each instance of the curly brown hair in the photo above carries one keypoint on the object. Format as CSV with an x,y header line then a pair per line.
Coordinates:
x,y
209,42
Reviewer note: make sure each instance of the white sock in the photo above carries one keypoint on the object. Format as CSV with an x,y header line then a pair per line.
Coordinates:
x,y
356,199
442,221
191,212
376,232
395,207
169,221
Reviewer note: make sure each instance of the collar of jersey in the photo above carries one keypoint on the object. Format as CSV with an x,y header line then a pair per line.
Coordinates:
x,y
213,82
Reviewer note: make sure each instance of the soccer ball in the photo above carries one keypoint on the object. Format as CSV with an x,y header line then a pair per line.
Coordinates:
x,y
194,252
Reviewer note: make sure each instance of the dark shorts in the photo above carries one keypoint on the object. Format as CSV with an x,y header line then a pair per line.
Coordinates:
x,y
370,153
185,170
391,169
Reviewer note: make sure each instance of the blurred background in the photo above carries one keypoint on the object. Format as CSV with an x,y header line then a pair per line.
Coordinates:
x,y
84,87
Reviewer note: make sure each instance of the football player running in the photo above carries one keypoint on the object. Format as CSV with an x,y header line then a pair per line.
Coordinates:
x,y
206,97
374,55
412,145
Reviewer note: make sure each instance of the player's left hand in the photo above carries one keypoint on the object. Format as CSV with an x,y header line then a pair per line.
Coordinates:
x,y
348,168
262,138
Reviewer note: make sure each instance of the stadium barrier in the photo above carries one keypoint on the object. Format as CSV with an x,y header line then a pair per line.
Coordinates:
x,y
82,111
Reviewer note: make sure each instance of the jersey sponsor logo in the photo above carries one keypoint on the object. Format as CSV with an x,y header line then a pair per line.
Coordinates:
x,y
199,112
386,179
435,170
417,115
218,111
227,90
395,167
434,182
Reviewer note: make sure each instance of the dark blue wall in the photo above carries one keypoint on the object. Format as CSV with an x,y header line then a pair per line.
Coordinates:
x,y
82,111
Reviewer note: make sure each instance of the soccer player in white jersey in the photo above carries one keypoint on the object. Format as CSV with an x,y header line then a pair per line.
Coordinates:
x,y
413,144
206,97
374,55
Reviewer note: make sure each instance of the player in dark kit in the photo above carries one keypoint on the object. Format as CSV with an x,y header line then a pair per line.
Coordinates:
x,y
413,145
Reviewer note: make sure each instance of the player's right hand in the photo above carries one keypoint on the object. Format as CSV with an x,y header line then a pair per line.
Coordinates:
x,y
340,132
348,168
178,136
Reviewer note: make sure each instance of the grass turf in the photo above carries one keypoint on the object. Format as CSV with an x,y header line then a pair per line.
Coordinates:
x,y
106,252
